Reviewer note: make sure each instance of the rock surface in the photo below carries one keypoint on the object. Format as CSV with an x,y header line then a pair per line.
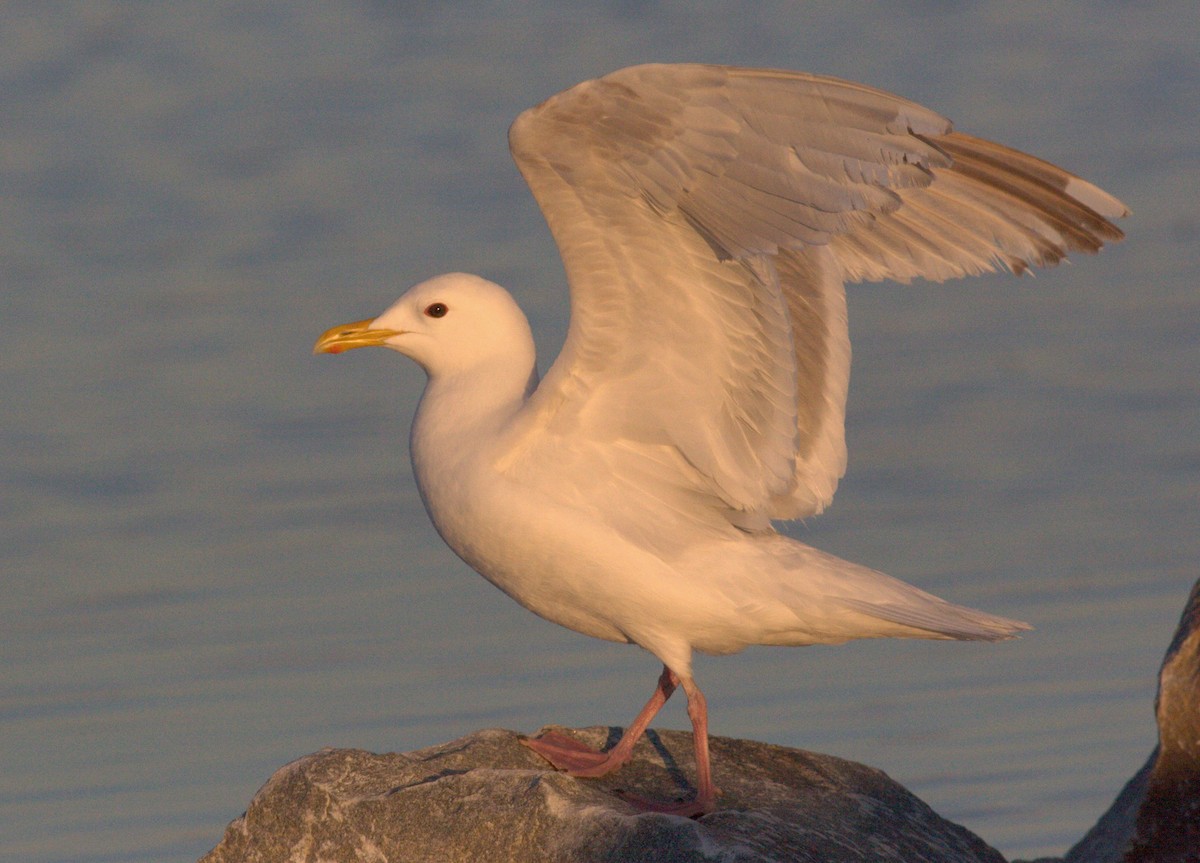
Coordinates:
x,y
1156,818
486,797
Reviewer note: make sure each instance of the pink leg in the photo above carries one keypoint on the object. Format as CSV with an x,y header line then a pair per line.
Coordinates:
x,y
706,793
577,759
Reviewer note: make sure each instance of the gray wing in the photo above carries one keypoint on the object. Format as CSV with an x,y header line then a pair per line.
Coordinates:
x,y
707,217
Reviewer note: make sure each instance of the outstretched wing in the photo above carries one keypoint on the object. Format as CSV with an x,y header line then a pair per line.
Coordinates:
x,y
707,217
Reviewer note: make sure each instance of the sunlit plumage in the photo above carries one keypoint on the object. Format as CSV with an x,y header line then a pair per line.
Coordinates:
x,y
707,218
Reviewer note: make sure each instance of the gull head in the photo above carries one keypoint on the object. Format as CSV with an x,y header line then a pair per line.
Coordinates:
x,y
449,324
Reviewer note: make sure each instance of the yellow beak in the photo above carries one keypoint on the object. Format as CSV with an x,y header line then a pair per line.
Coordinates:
x,y
346,337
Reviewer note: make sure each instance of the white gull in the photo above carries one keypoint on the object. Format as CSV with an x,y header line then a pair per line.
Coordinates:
x,y
707,217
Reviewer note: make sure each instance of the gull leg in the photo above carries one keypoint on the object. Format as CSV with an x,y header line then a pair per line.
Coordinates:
x,y
705,800
706,792
577,759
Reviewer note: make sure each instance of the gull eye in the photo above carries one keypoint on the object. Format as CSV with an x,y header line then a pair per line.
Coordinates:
x,y
436,310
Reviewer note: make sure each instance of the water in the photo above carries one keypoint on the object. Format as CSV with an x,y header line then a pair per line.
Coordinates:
x,y
213,557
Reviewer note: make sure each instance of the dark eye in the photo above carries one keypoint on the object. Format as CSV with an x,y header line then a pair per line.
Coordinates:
x,y
436,310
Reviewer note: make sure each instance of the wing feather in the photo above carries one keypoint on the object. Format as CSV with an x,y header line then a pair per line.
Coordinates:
x,y
707,217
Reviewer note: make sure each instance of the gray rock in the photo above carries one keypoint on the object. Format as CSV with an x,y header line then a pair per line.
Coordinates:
x,y
1156,818
488,798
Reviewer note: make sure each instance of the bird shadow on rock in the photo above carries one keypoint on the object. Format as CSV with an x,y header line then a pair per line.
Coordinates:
x,y
674,771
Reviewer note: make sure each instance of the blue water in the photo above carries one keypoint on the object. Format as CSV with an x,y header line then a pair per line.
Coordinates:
x,y
213,557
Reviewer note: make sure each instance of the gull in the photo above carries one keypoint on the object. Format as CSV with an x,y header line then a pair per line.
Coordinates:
x,y
707,218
